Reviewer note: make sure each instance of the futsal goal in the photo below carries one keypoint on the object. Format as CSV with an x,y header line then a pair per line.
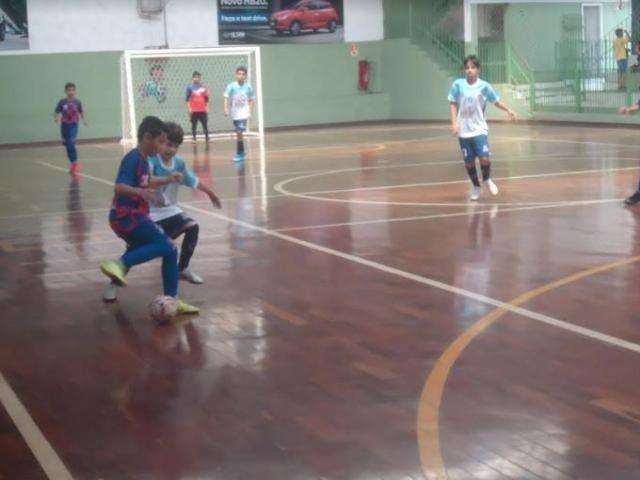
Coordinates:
x,y
154,82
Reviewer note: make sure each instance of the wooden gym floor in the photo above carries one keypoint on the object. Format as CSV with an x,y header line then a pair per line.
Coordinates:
x,y
360,318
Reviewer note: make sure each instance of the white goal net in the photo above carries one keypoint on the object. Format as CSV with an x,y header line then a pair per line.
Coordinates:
x,y
154,82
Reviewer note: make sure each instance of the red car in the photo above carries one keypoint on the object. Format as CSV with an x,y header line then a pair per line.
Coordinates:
x,y
305,15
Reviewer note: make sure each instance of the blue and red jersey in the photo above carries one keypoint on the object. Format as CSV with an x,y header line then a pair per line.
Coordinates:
x,y
198,97
70,110
128,212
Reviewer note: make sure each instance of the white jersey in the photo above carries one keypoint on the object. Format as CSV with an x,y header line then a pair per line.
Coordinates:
x,y
472,102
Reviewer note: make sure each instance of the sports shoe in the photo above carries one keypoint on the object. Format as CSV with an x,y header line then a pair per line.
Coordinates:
x,y
110,293
493,188
475,193
191,277
239,157
75,168
633,199
184,307
115,270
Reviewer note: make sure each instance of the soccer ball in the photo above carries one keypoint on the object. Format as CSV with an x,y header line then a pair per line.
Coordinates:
x,y
162,308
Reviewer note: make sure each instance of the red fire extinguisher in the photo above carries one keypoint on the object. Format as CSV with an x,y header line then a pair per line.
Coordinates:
x,y
364,75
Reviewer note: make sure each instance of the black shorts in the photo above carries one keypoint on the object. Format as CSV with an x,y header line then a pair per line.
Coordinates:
x,y
202,116
176,225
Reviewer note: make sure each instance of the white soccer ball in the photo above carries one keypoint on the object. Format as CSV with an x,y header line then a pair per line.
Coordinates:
x,y
162,308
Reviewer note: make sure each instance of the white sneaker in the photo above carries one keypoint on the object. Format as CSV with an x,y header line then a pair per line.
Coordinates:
x,y
475,193
110,293
191,277
493,188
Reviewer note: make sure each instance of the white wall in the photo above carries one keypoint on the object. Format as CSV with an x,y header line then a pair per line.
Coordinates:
x,y
363,20
99,25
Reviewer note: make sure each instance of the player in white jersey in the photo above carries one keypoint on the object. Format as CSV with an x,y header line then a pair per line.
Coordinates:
x,y
468,98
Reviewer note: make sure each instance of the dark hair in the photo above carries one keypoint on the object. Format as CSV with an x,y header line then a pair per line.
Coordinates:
x,y
175,134
475,61
619,32
196,74
241,69
151,125
155,67
69,85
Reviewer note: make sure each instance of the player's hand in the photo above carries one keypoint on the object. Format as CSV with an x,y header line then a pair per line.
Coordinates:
x,y
149,194
215,200
623,110
176,177
226,113
512,115
455,130
56,119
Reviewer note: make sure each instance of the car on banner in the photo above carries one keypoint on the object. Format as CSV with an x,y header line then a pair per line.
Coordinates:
x,y
305,15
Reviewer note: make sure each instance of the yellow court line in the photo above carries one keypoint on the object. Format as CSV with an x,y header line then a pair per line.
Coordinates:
x,y
428,429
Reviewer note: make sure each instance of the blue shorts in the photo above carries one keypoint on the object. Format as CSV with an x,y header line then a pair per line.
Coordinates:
x,y
622,65
474,147
240,125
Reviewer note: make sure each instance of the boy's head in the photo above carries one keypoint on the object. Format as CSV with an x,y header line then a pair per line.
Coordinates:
x,y
471,67
152,133
157,72
70,89
175,136
619,32
241,74
196,77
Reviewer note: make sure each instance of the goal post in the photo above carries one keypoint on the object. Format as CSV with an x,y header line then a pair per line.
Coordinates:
x,y
154,82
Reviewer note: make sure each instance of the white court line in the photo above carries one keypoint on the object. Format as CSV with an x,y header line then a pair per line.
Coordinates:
x,y
46,456
45,246
585,332
279,187
557,140
494,210
135,272
53,214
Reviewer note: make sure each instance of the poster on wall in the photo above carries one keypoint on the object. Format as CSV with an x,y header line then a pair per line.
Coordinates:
x,y
14,33
250,22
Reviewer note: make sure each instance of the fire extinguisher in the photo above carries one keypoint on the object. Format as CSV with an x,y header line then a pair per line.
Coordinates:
x,y
364,75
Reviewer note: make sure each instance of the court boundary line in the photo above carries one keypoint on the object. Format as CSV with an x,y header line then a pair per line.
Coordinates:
x,y
313,195
428,417
43,451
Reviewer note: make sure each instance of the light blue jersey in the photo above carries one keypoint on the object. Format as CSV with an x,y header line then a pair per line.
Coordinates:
x,y
169,193
239,96
472,101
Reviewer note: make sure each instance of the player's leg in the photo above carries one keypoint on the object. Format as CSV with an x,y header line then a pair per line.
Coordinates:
x,y
469,155
174,227
204,119
194,125
482,147
240,127
633,199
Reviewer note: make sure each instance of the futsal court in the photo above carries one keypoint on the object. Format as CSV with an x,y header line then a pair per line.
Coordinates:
x,y
360,318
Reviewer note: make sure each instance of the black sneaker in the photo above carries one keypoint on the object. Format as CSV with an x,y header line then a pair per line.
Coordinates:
x,y
633,199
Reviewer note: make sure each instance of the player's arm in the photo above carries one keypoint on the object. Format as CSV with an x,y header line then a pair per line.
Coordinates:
x,y
81,112
504,108
633,108
129,191
226,106
212,196
453,109
161,180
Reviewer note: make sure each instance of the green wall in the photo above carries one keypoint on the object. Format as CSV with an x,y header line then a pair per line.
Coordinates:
x,y
315,84
31,85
